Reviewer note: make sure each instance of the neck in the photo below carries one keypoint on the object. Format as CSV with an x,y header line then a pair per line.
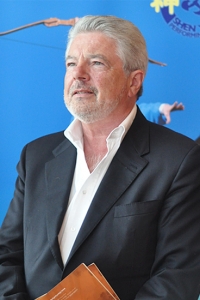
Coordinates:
x,y
95,135
95,148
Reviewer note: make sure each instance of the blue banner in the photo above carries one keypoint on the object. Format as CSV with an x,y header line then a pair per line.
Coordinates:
x,y
32,68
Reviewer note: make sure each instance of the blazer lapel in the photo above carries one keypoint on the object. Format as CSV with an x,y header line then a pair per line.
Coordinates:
x,y
59,175
124,168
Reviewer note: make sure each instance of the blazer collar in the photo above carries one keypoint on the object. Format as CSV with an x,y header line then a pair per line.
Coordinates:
x,y
59,175
128,162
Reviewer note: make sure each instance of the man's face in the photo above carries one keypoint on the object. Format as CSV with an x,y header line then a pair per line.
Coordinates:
x,y
96,85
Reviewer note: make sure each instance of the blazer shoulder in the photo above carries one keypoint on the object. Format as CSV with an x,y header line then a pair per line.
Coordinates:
x,y
43,147
52,139
158,138
162,136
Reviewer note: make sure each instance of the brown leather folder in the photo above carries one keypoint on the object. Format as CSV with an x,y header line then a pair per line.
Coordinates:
x,y
83,283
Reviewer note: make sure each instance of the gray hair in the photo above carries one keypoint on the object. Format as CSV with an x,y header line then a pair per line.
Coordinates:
x,y
131,46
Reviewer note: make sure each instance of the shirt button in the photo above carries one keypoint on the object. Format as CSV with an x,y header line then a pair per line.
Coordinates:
x,y
84,192
73,228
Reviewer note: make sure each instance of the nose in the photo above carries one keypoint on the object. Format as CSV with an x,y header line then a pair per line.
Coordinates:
x,y
81,72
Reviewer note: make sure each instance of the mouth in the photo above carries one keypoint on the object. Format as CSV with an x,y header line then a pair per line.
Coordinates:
x,y
81,92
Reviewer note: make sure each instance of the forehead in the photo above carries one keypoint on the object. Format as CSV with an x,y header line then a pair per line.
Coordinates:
x,y
92,42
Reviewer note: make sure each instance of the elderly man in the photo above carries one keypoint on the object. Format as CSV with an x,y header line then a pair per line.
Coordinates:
x,y
113,189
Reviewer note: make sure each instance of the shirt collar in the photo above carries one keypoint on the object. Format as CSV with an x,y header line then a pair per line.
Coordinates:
x,y
75,135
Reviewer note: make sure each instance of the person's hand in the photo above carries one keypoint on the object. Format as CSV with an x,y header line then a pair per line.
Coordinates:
x,y
166,109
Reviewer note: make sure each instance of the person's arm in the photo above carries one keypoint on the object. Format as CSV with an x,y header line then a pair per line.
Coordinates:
x,y
152,113
12,282
159,113
55,22
176,270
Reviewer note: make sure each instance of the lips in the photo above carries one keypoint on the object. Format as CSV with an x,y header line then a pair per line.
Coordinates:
x,y
81,91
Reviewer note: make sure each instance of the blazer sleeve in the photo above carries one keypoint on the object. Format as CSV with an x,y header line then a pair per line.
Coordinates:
x,y
176,270
12,283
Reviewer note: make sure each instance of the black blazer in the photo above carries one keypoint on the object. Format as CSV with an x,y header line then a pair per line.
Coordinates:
x,y
142,229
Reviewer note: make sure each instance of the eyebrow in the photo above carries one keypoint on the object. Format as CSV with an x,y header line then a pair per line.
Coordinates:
x,y
98,56
70,57
90,56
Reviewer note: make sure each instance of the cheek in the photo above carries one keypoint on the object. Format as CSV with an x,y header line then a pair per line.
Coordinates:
x,y
102,83
67,82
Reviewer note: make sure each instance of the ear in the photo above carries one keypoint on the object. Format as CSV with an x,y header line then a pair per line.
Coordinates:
x,y
136,80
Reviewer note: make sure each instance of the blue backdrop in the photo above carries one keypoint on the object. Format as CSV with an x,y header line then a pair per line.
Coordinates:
x,y
32,68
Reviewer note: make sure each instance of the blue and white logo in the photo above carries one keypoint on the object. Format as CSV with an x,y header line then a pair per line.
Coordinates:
x,y
181,16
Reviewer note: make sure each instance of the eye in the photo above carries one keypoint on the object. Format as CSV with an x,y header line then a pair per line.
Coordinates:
x,y
70,64
97,63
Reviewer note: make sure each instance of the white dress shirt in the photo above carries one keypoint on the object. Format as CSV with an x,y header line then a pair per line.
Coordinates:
x,y
85,184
